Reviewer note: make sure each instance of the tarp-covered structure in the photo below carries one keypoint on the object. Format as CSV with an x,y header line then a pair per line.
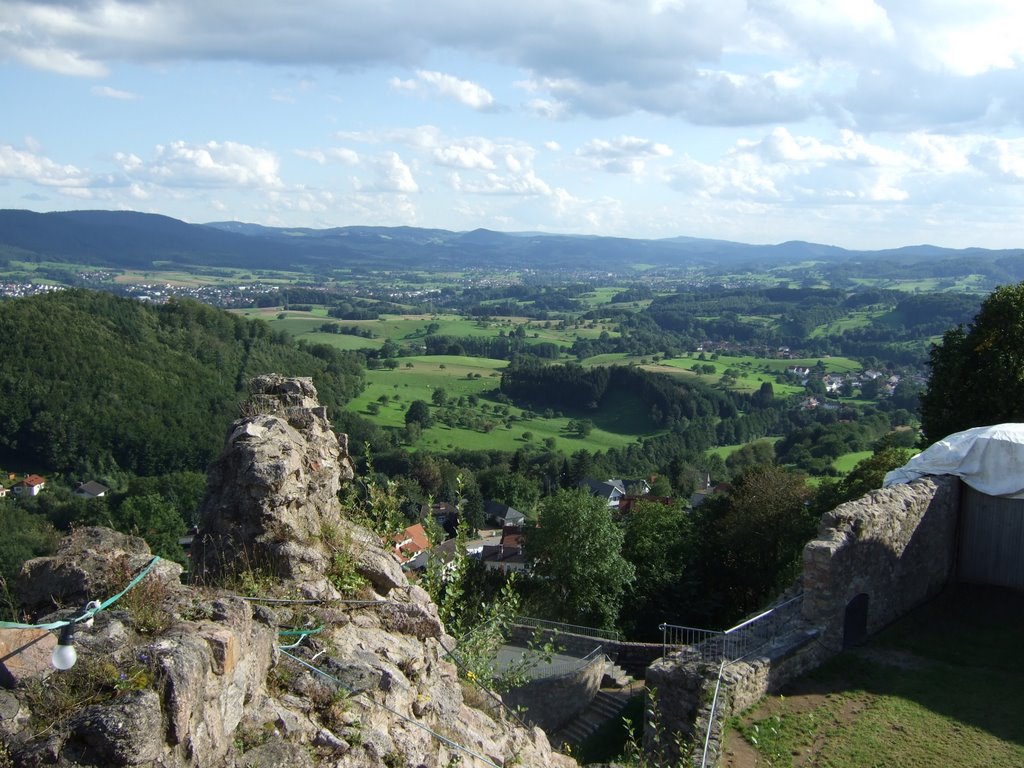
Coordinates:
x,y
989,459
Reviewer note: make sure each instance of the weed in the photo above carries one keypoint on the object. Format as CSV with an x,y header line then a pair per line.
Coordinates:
x,y
280,679
148,604
249,736
375,503
195,610
343,570
655,749
93,680
251,582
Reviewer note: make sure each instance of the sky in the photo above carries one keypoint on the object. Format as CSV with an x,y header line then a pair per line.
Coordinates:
x,y
859,123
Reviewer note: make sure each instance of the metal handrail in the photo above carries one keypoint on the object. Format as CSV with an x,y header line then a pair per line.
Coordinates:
x,y
711,716
541,670
569,629
675,636
732,644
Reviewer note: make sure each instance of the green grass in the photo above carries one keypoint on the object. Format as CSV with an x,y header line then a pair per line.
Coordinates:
x,y
858,319
410,330
461,376
725,451
848,461
941,687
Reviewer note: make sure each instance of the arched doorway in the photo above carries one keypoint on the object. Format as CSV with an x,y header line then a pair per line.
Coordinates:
x,y
855,621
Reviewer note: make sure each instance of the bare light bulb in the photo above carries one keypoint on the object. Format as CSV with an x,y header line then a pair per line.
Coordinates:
x,y
64,655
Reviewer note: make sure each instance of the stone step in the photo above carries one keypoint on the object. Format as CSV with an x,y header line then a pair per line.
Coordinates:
x,y
615,676
574,734
607,705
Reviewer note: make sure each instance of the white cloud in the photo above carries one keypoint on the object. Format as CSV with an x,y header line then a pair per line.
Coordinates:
x,y
623,154
61,62
550,109
712,62
342,155
465,92
483,166
1000,159
461,156
32,166
521,184
213,164
113,93
393,175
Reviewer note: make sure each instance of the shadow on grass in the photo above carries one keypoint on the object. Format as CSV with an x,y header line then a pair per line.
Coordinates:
x,y
959,657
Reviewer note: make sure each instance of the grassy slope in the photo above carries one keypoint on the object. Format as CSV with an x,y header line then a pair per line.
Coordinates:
x,y
616,427
941,687
426,374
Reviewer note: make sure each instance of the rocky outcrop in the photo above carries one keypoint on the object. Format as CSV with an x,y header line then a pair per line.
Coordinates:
x,y
175,676
274,489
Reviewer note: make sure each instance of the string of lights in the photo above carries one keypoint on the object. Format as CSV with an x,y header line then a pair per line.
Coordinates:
x,y
64,655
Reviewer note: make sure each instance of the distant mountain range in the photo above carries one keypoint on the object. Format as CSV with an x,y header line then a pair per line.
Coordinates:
x,y
125,239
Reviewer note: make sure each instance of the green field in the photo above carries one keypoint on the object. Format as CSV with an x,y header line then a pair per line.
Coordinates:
x,y
417,377
966,284
725,451
754,371
859,319
848,461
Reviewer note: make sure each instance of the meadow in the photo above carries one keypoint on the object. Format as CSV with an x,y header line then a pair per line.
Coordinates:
x,y
418,376
510,427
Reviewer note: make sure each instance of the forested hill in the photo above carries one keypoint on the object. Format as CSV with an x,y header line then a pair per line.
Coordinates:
x,y
90,382
130,240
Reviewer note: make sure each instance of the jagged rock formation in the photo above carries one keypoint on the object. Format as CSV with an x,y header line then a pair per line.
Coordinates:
x,y
273,490
174,676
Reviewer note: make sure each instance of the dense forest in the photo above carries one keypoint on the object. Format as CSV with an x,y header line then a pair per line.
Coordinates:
x,y
92,383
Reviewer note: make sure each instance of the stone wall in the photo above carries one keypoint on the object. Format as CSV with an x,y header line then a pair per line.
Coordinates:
x,y
885,554
896,545
552,702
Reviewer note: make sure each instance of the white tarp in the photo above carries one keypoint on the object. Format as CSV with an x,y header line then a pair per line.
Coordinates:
x,y
989,459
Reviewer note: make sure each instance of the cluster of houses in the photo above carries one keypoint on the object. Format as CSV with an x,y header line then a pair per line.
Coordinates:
x,y
500,548
31,484
834,382
28,485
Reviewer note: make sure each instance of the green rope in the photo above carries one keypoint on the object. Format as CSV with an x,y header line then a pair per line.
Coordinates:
x,y
89,612
301,632
302,635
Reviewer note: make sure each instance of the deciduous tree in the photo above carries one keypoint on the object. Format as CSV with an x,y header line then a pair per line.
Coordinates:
x,y
977,374
576,551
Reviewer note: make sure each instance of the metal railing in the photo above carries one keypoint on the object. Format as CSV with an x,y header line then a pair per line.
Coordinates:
x,y
569,629
673,636
736,643
711,716
540,669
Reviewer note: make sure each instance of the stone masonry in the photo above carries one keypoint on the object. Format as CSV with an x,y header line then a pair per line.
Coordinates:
x,y
889,552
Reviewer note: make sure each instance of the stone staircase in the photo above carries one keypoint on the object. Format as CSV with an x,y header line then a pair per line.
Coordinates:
x,y
617,688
